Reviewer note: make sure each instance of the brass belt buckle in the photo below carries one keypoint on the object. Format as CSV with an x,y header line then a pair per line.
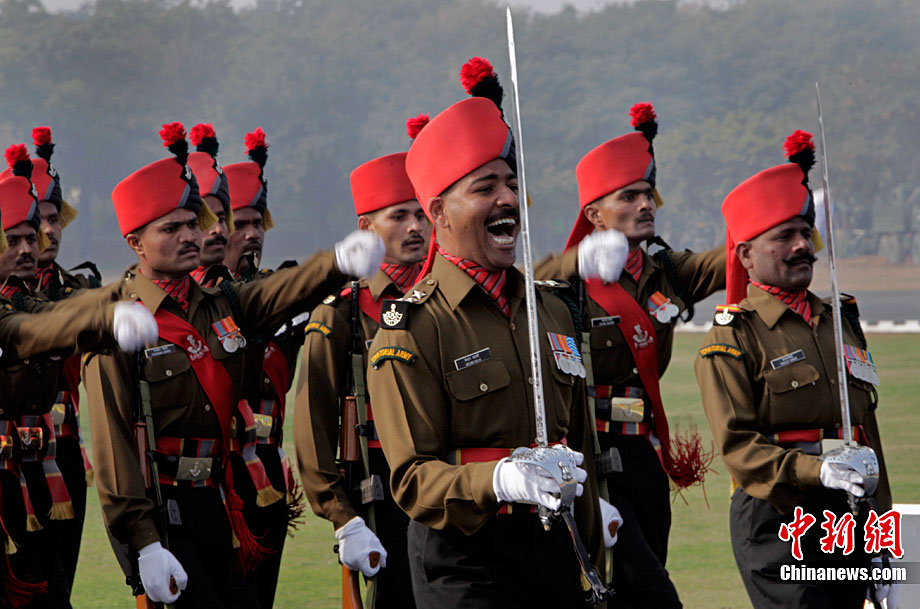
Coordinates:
x,y
627,410
263,425
6,448
31,438
194,469
58,413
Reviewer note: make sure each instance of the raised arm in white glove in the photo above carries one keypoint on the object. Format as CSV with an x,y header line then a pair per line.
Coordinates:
x,y
612,521
602,254
158,566
356,544
133,326
528,483
359,254
883,590
839,476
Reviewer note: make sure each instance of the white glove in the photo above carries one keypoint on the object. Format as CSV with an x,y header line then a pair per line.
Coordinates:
x,y
158,566
611,519
133,326
840,476
528,483
883,590
356,544
360,253
602,254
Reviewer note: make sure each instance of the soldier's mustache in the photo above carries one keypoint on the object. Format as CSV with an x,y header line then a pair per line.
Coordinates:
x,y
191,247
25,258
806,257
216,240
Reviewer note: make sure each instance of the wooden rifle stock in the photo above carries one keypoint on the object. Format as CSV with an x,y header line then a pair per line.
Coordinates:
x,y
350,441
351,589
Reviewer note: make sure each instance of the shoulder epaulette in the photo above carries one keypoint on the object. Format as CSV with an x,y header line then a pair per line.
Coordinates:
x,y
726,314
551,284
419,293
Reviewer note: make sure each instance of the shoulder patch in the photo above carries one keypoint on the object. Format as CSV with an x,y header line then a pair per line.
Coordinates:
x,y
317,326
721,349
396,317
397,353
726,314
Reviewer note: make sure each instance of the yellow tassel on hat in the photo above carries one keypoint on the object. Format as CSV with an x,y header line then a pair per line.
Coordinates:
x,y
817,240
10,546
68,214
32,523
230,227
42,240
61,511
206,217
267,496
658,200
267,221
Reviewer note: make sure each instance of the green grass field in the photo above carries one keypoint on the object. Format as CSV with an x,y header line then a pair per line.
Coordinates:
x,y
700,559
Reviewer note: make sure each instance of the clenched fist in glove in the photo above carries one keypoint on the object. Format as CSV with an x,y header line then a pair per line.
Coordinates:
x,y
840,476
612,521
359,254
133,326
159,569
515,482
357,544
602,254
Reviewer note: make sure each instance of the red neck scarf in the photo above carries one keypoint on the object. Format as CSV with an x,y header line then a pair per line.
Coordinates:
x,y
45,276
177,289
8,291
634,263
403,276
492,283
797,301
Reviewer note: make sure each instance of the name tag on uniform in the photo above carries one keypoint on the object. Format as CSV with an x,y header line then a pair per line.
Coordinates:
x,y
473,358
157,351
603,322
860,364
785,360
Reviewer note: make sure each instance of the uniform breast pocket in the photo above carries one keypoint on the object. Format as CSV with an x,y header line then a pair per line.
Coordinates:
x,y
169,376
558,393
480,396
793,391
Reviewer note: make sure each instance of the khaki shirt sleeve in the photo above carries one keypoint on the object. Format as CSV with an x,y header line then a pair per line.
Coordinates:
x,y
316,416
112,399
558,266
701,274
763,470
81,323
412,417
269,303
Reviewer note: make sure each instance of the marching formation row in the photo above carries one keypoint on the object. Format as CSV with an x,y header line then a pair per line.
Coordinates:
x,y
415,425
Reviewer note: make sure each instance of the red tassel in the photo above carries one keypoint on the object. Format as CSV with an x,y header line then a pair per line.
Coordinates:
x,y
18,594
172,133
798,142
689,461
41,136
200,132
415,125
254,140
16,154
641,113
250,553
296,506
474,72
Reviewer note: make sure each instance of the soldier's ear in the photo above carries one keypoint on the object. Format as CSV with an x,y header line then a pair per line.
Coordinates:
x,y
134,242
593,214
437,211
364,222
744,253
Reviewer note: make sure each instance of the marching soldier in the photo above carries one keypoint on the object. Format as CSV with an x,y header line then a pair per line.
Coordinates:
x,y
385,205
183,390
767,376
448,380
215,192
629,329
36,499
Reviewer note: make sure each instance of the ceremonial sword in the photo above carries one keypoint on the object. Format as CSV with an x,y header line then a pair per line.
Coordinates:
x,y
558,461
859,458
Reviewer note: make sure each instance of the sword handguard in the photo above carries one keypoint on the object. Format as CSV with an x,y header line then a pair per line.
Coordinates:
x,y
560,463
862,460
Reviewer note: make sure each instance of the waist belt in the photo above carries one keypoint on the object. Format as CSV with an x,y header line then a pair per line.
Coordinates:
x,y
191,462
268,422
7,443
809,440
620,409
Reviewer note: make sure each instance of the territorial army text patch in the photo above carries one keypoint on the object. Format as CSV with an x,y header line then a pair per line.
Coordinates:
x,y
721,349
397,353
317,326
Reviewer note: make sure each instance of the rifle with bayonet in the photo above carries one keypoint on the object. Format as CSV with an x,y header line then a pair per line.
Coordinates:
x,y
353,460
559,462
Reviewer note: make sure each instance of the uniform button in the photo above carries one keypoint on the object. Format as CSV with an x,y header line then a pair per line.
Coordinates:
x,y
266,380
132,295
430,282
833,382
1,411
168,372
530,380
635,371
609,343
207,408
513,326
25,361
483,387
795,384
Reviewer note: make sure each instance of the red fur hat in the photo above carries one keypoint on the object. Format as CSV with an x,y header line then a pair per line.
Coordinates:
x,y
248,185
381,183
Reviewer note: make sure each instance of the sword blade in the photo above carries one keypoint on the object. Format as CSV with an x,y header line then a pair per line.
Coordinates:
x,y
835,288
531,305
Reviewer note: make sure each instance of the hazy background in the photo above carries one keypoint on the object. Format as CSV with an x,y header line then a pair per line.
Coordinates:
x,y
332,83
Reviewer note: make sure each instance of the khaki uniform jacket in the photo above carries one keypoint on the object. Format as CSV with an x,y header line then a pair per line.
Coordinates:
x,y
179,403
427,403
324,367
699,275
64,283
747,398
